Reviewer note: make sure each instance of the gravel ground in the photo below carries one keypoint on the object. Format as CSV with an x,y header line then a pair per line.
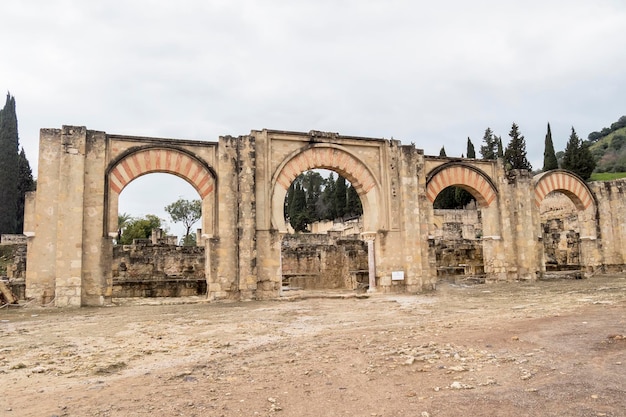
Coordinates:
x,y
546,348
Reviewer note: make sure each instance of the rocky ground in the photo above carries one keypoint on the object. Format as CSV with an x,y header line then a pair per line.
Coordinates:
x,y
547,348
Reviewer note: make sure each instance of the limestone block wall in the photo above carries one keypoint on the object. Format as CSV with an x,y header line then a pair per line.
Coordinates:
x,y
457,242
413,219
611,223
560,232
322,261
70,248
13,257
146,270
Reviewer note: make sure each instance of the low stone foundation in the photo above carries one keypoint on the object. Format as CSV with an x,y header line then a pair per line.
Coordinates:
x,y
457,243
13,264
324,261
146,270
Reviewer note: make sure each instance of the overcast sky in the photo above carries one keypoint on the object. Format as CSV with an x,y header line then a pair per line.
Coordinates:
x,y
432,73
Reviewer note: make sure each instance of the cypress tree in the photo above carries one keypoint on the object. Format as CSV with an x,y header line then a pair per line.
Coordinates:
x,y
297,211
515,153
471,152
549,156
488,150
353,203
25,184
577,157
341,195
442,152
9,169
500,151
328,198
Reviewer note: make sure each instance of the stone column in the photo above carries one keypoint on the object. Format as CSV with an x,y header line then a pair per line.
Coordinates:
x,y
280,265
369,237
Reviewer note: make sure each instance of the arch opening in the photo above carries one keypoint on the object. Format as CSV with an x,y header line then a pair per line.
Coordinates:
x,y
337,259
323,250
560,232
461,196
456,232
162,160
565,182
333,158
567,208
159,264
466,177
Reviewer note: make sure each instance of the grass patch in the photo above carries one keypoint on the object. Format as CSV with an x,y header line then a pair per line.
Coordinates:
x,y
607,176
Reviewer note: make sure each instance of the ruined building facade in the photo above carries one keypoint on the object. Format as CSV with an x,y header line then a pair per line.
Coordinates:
x,y
71,220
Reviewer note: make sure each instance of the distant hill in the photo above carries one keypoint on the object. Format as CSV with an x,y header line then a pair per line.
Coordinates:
x,y
608,147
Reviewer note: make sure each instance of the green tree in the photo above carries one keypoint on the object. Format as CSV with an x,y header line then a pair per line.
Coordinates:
x,y
500,148
341,196
471,152
122,221
490,147
185,212
442,152
328,198
298,215
549,156
189,240
312,182
462,197
9,168
353,203
515,152
140,228
577,157
25,183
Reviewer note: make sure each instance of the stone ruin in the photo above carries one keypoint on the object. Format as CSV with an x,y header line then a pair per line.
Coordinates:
x,y
13,267
324,262
456,242
71,219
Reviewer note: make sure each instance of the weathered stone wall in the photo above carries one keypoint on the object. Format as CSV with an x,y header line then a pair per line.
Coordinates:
x,y
13,265
560,233
324,261
243,181
14,256
611,223
146,270
457,242
13,239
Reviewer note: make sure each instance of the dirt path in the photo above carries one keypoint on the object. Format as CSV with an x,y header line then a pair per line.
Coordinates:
x,y
522,349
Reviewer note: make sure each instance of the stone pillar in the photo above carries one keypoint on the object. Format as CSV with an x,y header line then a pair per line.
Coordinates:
x,y
369,237
280,266
609,246
41,227
268,264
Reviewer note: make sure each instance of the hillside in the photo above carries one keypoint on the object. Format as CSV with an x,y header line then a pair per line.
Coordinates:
x,y
608,147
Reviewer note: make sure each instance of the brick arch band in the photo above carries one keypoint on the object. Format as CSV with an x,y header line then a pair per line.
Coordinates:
x,y
170,161
335,158
469,178
137,163
566,182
